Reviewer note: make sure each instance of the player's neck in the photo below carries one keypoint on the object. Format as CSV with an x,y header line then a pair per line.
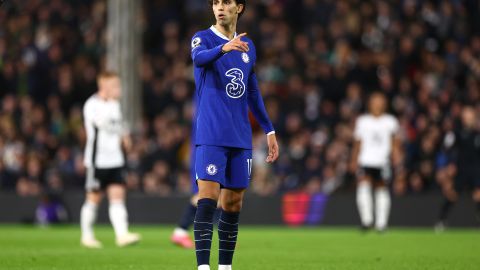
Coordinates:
x,y
227,30
103,95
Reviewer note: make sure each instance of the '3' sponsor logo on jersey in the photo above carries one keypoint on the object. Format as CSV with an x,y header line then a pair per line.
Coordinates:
x,y
236,87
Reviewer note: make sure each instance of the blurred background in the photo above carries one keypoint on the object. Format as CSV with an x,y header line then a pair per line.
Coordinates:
x,y
317,63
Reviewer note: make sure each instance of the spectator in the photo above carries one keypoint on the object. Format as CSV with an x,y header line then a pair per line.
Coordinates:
x,y
318,61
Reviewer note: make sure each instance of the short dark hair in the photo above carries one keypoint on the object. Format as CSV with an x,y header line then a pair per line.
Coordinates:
x,y
239,2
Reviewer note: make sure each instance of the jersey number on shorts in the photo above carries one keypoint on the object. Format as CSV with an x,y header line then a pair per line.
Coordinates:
x,y
236,87
249,166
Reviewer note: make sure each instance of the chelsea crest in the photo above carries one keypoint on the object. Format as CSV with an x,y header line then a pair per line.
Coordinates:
x,y
212,169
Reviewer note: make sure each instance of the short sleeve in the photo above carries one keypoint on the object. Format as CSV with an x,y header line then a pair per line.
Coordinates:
x,y
89,111
93,115
395,126
357,133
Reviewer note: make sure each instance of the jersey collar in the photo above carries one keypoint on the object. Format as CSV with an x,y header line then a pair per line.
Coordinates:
x,y
216,32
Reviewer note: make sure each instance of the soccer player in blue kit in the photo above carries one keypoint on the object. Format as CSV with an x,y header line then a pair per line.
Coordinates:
x,y
226,87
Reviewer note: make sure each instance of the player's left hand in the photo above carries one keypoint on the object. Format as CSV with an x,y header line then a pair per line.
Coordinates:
x,y
272,148
236,44
127,143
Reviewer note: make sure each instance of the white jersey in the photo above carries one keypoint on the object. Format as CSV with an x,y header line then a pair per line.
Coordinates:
x,y
376,137
105,128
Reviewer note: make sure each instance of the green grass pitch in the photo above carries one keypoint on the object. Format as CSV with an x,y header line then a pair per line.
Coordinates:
x,y
265,248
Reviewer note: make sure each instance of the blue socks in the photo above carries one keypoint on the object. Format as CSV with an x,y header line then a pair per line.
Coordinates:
x,y
477,204
203,229
227,236
445,210
188,216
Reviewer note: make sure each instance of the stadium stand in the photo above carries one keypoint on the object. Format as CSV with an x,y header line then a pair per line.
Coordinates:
x,y
317,63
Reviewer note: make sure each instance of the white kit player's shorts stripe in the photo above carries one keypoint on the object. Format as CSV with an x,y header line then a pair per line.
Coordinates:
x,y
92,183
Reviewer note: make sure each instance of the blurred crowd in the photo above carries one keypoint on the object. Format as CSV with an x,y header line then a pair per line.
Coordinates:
x,y
318,60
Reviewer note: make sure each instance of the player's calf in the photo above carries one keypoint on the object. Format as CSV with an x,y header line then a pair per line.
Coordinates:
x,y
203,231
476,199
231,200
88,215
365,203
382,208
227,236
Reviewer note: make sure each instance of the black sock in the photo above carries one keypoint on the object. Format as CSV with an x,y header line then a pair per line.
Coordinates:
x,y
216,216
203,229
188,217
227,236
477,204
445,210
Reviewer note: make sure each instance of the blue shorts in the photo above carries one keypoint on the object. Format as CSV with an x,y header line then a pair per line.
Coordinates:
x,y
230,167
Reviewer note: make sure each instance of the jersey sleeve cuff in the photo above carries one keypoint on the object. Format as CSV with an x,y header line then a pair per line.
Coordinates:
x,y
271,132
219,51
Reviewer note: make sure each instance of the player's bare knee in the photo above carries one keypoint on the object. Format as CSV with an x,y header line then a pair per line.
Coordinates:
x,y
194,199
94,197
364,181
208,193
451,195
232,204
116,192
208,190
476,195
379,184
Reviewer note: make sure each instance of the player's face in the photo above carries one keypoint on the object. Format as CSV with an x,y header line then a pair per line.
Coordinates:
x,y
226,11
468,117
377,105
112,87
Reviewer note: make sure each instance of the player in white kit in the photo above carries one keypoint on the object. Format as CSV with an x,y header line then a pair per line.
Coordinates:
x,y
376,144
104,160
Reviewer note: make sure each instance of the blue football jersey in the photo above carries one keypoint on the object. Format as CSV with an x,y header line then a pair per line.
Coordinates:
x,y
226,87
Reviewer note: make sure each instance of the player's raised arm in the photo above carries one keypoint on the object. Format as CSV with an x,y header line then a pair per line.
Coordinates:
x,y
202,56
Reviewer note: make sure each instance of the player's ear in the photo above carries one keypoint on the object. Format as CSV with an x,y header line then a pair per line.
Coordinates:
x,y
240,8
